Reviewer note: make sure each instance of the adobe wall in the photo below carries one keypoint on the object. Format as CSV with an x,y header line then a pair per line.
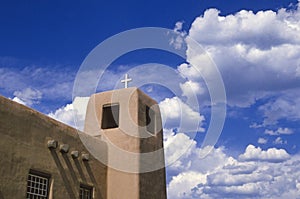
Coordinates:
x,y
23,146
153,180
128,176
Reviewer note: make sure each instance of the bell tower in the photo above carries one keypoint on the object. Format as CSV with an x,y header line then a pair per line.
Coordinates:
x,y
129,121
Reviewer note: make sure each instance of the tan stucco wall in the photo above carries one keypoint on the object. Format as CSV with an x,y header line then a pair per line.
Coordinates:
x,y
130,137
23,145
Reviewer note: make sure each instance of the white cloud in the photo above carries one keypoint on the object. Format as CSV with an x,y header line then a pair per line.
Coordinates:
x,y
54,82
190,88
28,96
176,114
16,99
258,54
279,140
64,114
188,155
275,175
178,146
255,125
262,141
237,183
279,131
178,40
191,170
188,71
180,186
284,107
253,153
262,29
72,114
178,26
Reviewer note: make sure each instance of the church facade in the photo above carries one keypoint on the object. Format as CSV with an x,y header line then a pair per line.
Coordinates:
x,y
45,159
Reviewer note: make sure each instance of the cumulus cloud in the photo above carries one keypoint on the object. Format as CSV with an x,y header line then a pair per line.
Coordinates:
x,y
176,146
258,55
191,171
185,149
191,88
181,185
273,174
187,70
253,153
262,29
72,114
177,114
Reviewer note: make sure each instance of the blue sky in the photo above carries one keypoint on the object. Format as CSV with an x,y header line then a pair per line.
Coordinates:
x,y
255,45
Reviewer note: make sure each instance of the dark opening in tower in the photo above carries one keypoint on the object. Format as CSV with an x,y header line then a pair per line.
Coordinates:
x,y
110,116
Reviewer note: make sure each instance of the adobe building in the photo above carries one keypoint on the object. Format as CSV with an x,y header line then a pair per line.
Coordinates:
x,y
45,159
130,124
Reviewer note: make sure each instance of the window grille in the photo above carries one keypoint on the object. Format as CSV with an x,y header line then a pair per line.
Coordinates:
x,y
37,185
86,192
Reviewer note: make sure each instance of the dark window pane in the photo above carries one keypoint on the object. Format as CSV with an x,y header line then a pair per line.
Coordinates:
x,y
110,116
150,120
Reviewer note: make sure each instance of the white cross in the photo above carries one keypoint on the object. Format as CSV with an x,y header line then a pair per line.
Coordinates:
x,y
126,80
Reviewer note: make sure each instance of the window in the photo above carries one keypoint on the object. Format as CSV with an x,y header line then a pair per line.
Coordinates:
x,y
86,192
150,120
37,185
110,116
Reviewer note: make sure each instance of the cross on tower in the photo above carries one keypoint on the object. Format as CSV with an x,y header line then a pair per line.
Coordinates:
x,y
126,80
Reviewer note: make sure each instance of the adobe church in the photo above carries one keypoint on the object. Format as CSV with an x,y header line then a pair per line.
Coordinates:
x,y
41,158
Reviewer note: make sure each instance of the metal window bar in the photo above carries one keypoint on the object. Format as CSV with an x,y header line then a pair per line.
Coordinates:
x,y
37,187
86,192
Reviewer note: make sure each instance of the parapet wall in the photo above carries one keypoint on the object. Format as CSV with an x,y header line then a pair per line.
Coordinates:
x,y
24,134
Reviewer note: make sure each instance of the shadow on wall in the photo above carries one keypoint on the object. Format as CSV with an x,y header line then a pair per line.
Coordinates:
x,y
89,170
63,174
69,177
1,195
92,177
70,167
80,171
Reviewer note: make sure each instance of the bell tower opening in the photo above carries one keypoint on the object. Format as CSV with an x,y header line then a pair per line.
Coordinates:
x,y
110,116
150,120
